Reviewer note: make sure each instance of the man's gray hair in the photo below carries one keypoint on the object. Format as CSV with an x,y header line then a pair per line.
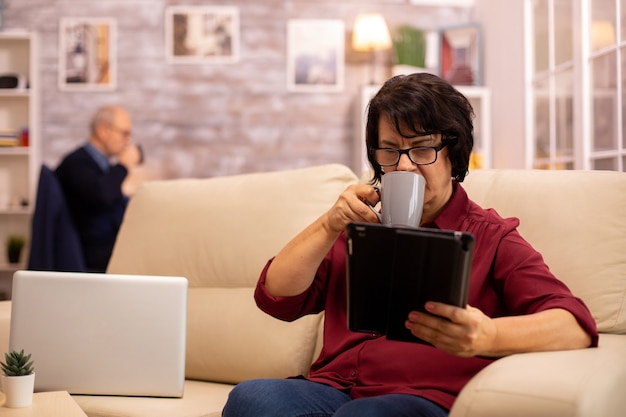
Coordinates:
x,y
104,115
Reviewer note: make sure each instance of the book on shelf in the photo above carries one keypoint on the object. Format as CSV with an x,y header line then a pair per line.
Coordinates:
x,y
9,138
6,142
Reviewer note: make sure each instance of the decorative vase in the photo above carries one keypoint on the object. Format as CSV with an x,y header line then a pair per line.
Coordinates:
x,y
18,390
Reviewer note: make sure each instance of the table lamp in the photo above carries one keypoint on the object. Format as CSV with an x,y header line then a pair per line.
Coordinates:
x,y
370,34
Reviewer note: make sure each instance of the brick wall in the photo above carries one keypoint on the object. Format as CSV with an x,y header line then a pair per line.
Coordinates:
x,y
202,120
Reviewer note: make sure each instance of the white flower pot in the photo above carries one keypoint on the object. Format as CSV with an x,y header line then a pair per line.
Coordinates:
x,y
408,69
18,390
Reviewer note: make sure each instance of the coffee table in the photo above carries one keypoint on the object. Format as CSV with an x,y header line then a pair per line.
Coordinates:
x,y
45,404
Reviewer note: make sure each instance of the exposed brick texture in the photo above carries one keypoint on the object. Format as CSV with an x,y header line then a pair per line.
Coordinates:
x,y
202,120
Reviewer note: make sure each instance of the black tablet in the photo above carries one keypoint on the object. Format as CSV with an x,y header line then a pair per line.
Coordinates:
x,y
393,270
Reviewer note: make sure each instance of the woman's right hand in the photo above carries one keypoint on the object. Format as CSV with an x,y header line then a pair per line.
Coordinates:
x,y
293,269
352,206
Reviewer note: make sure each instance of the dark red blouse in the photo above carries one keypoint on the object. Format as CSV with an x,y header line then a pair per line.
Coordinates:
x,y
508,278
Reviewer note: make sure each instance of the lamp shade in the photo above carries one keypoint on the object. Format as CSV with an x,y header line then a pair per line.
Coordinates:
x,y
370,33
602,34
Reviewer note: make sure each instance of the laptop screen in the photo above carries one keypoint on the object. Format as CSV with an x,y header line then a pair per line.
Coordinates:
x,y
102,334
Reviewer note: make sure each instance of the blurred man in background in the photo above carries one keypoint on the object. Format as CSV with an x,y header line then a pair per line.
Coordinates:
x,y
91,178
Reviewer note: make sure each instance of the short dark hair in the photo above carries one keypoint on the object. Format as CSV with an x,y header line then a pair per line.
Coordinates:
x,y
423,102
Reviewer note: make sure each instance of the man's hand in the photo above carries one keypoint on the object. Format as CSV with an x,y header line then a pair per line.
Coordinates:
x,y
130,156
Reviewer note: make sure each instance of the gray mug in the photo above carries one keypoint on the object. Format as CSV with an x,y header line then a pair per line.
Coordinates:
x,y
402,199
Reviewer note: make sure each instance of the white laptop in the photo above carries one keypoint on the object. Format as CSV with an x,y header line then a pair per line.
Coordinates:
x,y
102,334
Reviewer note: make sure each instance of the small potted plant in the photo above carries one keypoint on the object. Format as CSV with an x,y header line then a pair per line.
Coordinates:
x,y
409,50
15,244
18,379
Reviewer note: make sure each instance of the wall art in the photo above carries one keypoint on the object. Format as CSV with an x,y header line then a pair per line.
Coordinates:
x,y
87,54
202,34
315,55
460,57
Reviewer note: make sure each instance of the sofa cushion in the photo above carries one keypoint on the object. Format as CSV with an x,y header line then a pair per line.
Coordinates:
x,y
577,220
220,232
230,340
5,324
201,399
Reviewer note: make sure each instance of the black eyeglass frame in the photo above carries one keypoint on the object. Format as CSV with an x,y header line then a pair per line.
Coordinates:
x,y
407,153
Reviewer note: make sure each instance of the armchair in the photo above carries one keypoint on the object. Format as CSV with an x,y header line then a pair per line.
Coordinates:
x,y
577,220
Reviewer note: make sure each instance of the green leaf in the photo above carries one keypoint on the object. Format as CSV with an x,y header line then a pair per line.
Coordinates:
x,y
17,363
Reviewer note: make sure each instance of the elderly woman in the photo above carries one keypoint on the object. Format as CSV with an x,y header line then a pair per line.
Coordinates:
x,y
415,123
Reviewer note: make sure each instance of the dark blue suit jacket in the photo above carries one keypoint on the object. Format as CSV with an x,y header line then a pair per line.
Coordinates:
x,y
54,243
96,202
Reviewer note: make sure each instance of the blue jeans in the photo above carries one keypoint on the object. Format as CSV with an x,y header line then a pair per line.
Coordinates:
x,y
302,398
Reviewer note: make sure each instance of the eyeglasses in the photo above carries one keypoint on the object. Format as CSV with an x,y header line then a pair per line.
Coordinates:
x,y
123,132
419,155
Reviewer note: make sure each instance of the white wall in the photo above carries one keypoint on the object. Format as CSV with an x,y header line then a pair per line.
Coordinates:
x,y
503,36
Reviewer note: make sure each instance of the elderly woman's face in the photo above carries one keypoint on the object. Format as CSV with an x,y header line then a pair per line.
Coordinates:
x,y
438,175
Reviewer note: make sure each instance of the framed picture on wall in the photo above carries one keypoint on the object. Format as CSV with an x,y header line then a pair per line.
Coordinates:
x,y
460,54
315,55
87,54
202,34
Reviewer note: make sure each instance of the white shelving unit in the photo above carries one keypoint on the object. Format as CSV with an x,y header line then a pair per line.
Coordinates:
x,y
360,164
20,164
479,97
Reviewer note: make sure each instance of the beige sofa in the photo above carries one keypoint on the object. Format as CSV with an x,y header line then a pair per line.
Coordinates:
x,y
220,232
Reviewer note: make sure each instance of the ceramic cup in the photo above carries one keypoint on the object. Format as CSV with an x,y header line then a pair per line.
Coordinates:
x,y
402,199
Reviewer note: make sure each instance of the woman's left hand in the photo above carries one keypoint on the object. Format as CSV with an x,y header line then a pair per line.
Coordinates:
x,y
463,332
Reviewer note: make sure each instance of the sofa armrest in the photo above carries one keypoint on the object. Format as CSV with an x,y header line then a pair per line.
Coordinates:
x,y
5,326
577,383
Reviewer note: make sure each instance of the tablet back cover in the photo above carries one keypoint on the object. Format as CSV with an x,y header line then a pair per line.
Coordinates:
x,y
428,265
392,271
369,254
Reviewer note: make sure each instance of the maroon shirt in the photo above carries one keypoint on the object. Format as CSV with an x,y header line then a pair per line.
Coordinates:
x,y
508,278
